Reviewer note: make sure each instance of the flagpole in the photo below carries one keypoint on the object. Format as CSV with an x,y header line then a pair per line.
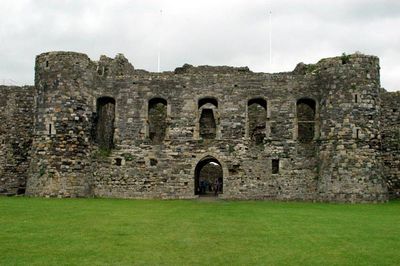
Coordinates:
x,y
270,40
159,45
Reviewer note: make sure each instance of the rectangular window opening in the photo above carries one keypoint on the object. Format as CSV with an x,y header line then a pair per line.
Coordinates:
x,y
275,166
356,98
153,162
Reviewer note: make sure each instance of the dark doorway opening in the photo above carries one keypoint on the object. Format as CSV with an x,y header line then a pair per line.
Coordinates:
x,y
208,177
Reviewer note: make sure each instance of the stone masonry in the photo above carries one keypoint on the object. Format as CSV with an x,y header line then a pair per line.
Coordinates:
x,y
323,132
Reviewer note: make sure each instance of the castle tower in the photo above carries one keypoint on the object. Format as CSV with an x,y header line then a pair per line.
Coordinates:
x,y
350,168
62,131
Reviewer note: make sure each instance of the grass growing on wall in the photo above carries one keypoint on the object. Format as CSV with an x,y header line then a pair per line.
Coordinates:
x,y
36,231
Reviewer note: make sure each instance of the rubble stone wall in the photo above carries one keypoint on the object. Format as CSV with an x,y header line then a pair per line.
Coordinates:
x,y
390,132
350,165
61,150
16,130
309,134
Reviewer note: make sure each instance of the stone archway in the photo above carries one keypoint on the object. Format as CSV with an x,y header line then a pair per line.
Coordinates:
x,y
208,177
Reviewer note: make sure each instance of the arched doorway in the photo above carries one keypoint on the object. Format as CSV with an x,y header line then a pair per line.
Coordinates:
x,y
208,177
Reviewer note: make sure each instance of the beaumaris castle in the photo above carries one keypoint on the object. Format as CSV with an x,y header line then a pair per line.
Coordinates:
x,y
323,132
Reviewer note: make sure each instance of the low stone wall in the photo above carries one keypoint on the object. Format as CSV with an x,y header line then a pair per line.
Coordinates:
x,y
168,171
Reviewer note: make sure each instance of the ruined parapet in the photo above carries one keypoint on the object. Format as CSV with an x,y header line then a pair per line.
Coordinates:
x,y
112,68
189,69
63,122
350,168
390,133
16,116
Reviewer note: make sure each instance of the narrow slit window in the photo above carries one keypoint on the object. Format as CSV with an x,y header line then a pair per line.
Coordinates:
x,y
47,63
275,166
50,128
356,98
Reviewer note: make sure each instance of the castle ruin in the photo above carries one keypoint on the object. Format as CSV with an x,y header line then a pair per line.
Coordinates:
x,y
323,132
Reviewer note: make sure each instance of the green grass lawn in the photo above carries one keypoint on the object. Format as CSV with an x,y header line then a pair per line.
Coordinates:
x,y
37,231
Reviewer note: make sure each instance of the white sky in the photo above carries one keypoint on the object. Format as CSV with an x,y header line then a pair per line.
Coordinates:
x,y
200,32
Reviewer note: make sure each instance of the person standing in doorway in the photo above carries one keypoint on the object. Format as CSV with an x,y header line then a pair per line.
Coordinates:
x,y
216,186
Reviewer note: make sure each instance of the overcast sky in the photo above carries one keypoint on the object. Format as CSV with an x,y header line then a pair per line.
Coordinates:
x,y
200,32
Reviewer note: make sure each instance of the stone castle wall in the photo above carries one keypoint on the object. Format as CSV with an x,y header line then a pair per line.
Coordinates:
x,y
105,129
16,130
61,149
390,148
350,166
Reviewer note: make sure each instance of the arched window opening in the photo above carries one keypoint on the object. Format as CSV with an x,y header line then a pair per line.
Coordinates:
x,y
208,127
257,119
208,177
306,109
208,100
207,122
157,117
105,122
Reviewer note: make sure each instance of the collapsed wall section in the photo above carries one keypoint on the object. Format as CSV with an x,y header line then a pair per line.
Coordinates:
x,y
16,123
